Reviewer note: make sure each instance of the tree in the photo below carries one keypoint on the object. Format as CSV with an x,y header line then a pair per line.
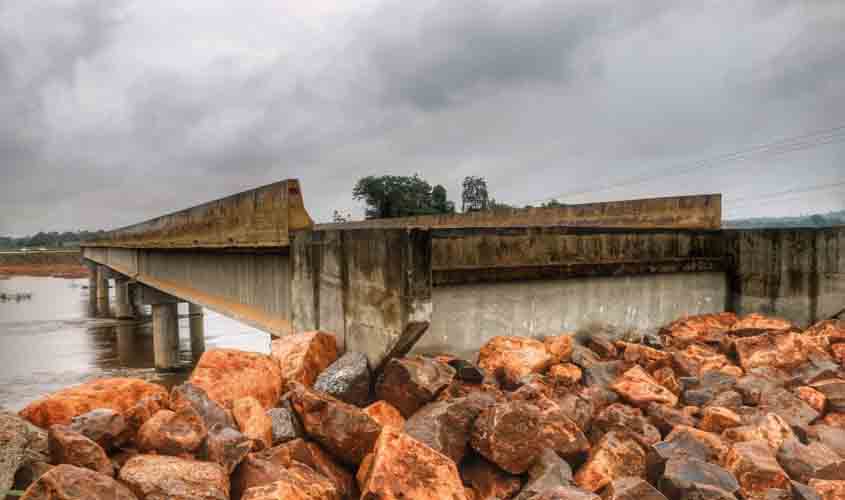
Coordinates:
x,y
474,197
339,216
400,196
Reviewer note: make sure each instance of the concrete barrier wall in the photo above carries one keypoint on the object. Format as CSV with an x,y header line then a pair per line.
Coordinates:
x,y
371,287
798,274
464,317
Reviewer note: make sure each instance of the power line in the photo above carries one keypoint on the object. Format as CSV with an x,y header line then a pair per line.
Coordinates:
x,y
782,146
771,196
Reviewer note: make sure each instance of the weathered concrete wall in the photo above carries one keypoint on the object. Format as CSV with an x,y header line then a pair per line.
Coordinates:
x,y
371,287
506,254
261,217
253,287
692,212
464,317
798,274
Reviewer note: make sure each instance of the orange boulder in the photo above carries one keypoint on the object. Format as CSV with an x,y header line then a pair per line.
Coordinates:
x,y
253,422
511,358
229,374
385,414
303,356
118,394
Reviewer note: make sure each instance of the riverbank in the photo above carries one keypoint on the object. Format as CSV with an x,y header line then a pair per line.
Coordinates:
x,y
50,263
749,407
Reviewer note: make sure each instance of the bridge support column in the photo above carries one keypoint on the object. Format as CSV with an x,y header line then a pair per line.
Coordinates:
x,y
122,307
197,326
103,292
166,336
92,288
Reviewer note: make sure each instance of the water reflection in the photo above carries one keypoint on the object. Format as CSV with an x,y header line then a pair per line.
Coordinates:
x,y
52,341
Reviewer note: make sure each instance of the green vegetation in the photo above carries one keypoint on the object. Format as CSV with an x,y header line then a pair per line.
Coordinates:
x,y
67,239
815,220
401,196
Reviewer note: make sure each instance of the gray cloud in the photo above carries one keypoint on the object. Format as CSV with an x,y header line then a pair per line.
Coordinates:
x,y
120,111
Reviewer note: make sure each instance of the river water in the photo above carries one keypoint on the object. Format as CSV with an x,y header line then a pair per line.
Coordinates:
x,y
50,341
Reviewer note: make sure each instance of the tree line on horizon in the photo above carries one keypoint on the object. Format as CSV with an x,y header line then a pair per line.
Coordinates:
x,y
51,239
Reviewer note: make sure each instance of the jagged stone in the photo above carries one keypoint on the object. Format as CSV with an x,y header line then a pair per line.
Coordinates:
x,y
771,428
834,420
253,422
755,324
312,455
794,410
547,472
345,430
446,426
639,388
813,461
226,446
302,357
755,468
188,394
697,359
731,400
285,424
403,468
803,492
752,386
578,408
67,482
105,427
560,347
508,434
118,394
829,489
622,417
778,349
565,374
706,328
832,437
511,358
686,443
565,493
603,373
557,430
72,448
230,374
29,473
487,481
159,477
834,392
648,358
666,418
666,377
385,414
20,443
631,488
717,419
412,382
616,455
603,347
172,433
704,390
297,482
347,379
689,478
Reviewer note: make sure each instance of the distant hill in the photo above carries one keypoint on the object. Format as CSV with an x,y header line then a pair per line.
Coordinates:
x,y
815,220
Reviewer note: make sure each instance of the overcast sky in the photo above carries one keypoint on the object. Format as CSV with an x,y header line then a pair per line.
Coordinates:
x,y
117,111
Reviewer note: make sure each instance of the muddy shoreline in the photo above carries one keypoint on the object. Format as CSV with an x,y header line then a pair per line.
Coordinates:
x,y
56,264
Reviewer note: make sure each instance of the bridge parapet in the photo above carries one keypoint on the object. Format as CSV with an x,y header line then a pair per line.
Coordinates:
x,y
261,217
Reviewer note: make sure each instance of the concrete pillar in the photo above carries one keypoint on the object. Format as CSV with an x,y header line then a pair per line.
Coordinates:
x,y
122,307
125,343
166,336
103,292
196,321
92,288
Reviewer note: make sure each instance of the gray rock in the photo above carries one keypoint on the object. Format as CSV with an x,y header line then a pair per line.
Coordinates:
x,y
814,461
105,427
286,425
347,379
226,446
548,472
684,477
210,412
466,371
631,488
803,492
21,443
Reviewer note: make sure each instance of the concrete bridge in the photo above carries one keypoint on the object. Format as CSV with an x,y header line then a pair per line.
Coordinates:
x,y
451,282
